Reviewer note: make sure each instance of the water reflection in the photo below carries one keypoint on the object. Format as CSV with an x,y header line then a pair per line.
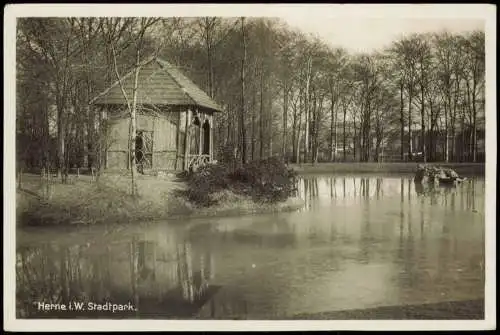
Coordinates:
x,y
360,242
317,191
172,280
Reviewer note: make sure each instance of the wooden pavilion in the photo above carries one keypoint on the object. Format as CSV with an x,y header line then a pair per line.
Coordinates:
x,y
175,120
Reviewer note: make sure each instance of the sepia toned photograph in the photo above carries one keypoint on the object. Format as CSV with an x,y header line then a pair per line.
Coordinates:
x,y
249,163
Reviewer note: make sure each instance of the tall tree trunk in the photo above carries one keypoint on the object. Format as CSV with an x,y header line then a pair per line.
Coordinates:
x,y
46,140
474,135
133,124
343,131
242,116
474,124
312,125
453,120
254,112
335,148
61,109
307,109
354,140
210,72
261,116
285,120
229,125
61,134
432,127
462,150
299,137
269,117
422,121
410,135
401,118
446,134
332,124
294,133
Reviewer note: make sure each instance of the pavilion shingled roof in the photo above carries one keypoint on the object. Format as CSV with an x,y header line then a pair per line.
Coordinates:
x,y
160,83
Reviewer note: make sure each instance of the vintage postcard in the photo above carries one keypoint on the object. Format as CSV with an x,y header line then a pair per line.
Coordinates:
x,y
265,167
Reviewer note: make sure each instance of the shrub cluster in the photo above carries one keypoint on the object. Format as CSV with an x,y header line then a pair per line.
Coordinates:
x,y
265,180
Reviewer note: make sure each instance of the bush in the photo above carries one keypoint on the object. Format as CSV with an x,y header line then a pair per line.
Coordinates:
x,y
266,180
205,181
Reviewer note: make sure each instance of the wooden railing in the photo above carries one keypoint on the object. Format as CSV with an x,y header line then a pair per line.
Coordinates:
x,y
197,161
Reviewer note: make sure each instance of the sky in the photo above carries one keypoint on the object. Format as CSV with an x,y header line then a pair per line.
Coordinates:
x,y
369,34
365,28
356,27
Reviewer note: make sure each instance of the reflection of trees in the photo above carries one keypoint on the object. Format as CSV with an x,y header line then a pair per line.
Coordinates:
x,y
443,262
146,259
343,186
97,273
58,275
226,304
422,216
185,272
379,187
453,200
406,256
134,273
361,187
367,188
347,187
471,191
333,187
367,238
406,248
409,191
402,191
306,193
450,194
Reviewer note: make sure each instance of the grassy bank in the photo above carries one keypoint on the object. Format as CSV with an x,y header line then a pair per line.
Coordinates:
x,y
465,169
108,201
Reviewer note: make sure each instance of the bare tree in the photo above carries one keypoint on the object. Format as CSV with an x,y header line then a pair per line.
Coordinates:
x,y
137,29
242,136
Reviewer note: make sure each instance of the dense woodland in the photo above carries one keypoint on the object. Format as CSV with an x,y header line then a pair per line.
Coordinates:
x,y
283,92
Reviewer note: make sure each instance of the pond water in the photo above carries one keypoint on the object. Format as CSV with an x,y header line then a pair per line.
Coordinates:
x,y
360,242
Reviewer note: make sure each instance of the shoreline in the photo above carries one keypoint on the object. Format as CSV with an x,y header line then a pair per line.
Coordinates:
x,y
466,169
86,204
40,213
30,234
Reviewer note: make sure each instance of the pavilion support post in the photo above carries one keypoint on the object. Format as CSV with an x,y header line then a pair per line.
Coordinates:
x,y
178,140
187,140
200,137
211,137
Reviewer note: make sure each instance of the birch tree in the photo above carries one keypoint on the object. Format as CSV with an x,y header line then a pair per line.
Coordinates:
x,y
137,29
